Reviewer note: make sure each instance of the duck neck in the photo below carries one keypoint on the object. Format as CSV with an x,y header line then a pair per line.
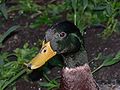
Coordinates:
x,y
73,60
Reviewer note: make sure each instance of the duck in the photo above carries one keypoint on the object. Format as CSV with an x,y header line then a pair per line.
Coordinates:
x,y
64,38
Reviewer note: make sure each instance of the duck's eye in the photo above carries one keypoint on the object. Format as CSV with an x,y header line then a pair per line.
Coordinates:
x,y
44,51
62,34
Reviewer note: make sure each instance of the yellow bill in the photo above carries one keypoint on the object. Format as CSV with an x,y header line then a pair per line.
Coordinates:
x,y
45,54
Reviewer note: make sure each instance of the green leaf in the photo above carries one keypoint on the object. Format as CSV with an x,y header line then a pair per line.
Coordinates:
x,y
85,4
25,54
4,10
111,61
1,62
118,5
74,6
14,88
117,56
100,8
2,82
10,30
109,9
49,85
13,79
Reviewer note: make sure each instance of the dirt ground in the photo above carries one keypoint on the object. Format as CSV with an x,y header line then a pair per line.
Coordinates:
x,y
108,77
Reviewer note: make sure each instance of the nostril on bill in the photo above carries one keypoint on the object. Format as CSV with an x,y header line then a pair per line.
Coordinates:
x,y
29,66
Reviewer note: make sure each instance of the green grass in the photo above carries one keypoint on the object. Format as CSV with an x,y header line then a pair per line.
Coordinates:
x,y
109,61
92,12
83,13
7,33
50,84
3,10
11,70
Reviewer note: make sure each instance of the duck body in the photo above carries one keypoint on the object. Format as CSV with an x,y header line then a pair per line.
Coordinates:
x,y
65,39
79,78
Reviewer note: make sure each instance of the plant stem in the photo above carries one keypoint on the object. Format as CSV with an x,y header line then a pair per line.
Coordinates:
x,y
75,18
74,5
97,68
46,77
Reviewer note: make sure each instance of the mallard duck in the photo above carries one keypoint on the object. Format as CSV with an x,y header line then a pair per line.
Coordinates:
x,y
65,38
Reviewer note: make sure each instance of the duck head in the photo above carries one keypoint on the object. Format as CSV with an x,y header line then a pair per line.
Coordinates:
x,y
62,38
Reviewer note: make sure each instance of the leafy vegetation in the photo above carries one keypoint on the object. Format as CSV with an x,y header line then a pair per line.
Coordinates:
x,y
108,61
28,6
51,84
84,14
10,30
92,12
112,10
13,69
3,10
50,13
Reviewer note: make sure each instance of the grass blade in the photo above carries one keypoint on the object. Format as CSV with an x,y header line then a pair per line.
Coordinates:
x,y
85,4
3,10
10,30
74,6
13,79
109,61
112,61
